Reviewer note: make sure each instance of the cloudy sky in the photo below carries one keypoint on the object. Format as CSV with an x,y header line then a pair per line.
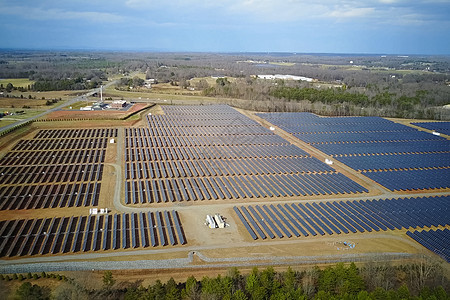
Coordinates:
x,y
318,26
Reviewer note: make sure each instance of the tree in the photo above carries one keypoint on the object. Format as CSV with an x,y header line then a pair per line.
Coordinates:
x,y
32,291
108,280
191,289
239,295
171,290
9,87
423,271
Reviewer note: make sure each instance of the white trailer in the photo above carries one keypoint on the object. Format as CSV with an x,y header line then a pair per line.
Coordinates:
x,y
210,221
219,220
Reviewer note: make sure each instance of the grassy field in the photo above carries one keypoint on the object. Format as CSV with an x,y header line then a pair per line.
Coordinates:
x,y
6,122
17,82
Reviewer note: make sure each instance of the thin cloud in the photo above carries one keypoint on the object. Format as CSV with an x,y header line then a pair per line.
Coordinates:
x,y
60,14
357,12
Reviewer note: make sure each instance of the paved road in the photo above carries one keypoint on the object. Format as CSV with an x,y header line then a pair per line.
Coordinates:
x,y
67,103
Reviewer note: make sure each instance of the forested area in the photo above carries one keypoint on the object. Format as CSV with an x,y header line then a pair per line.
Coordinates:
x,y
391,86
374,280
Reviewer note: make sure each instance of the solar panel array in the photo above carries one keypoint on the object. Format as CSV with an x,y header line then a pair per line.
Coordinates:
x,y
437,241
215,152
398,157
90,233
338,217
57,168
441,127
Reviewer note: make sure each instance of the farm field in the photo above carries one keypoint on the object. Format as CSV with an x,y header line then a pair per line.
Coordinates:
x,y
264,173
17,82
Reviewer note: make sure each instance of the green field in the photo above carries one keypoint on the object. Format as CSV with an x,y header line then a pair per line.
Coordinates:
x,y
17,82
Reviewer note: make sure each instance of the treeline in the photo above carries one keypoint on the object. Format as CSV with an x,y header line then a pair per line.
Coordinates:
x,y
375,280
64,84
342,96
373,100
338,282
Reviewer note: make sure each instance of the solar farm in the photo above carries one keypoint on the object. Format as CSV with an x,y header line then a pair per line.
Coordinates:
x,y
279,179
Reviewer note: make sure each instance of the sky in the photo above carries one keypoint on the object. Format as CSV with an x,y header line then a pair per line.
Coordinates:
x,y
317,26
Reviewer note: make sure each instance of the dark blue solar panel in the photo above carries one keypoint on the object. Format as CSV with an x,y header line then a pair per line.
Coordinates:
x,y
285,221
106,233
160,227
441,127
133,231
303,218
151,229
263,220
169,227
125,234
177,224
253,223
437,241
247,226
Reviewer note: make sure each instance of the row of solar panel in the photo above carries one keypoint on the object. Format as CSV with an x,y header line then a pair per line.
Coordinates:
x,y
76,133
50,173
183,141
437,241
168,130
380,136
222,167
89,233
363,128
189,110
404,161
142,135
21,158
60,144
212,152
344,128
391,147
382,142
343,216
199,120
222,121
49,196
296,118
415,179
234,187
442,127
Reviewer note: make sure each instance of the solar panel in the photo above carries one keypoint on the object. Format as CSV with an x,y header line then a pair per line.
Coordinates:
x,y
86,243
80,226
133,231
125,234
169,227
177,224
288,234
62,225
66,237
261,221
106,233
151,228
116,233
159,225
98,224
253,223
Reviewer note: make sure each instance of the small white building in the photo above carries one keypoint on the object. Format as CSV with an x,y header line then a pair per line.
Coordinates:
x,y
210,221
219,221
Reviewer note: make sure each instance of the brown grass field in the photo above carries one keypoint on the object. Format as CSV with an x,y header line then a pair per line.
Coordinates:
x,y
103,114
